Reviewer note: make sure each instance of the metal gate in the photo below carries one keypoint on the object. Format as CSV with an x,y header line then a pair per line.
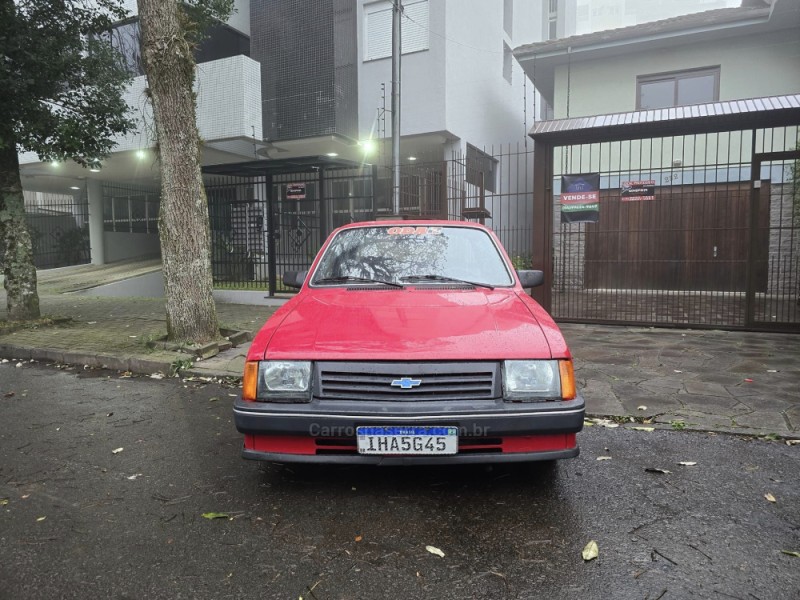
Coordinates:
x,y
268,217
698,229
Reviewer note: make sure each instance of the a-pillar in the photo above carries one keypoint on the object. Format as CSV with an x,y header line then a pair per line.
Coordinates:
x,y
94,192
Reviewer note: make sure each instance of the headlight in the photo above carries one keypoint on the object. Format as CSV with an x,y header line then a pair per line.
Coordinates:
x,y
531,380
284,379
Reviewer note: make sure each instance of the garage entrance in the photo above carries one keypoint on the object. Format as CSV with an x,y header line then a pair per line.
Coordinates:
x,y
695,221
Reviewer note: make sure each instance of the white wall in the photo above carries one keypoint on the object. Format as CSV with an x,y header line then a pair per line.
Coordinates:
x,y
123,246
753,66
483,108
423,82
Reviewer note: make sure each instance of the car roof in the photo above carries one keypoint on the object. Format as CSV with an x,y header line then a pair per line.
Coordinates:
x,y
414,223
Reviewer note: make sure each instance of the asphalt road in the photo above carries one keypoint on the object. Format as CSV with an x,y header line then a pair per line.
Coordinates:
x,y
80,521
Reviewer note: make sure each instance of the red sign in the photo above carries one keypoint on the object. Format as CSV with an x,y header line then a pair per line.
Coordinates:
x,y
296,191
636,191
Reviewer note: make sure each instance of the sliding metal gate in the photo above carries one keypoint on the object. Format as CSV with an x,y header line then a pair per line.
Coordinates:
x,y
710,239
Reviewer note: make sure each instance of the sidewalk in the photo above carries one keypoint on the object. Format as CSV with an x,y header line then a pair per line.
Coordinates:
x,y
723,381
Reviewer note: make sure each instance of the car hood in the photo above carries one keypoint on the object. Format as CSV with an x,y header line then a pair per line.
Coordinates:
x,y
408,324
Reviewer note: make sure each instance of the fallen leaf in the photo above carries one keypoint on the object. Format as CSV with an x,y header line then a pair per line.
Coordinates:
x,y
772,370
26,496
8,395
19,365
605,423
133,477
591,551
792,442
216,515
434,550
214,399
642,407
117,450
92,323
659,471
588,424
603,458
40,519
687,463
748,380
359,538
644,428
791,553
3,501
677,371
157,376
769,497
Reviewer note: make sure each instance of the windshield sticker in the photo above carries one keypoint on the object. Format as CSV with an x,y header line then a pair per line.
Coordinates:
x,y
414,231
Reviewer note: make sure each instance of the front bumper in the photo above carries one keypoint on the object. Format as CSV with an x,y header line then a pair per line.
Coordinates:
x,y
489,431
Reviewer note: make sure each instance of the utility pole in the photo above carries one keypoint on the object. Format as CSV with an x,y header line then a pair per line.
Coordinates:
x,y
397,9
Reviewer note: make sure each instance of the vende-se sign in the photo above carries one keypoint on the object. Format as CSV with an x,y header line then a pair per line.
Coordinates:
x,y
636,191
296,191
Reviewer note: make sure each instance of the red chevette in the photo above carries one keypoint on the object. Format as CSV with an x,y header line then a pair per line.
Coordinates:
x,y
410,342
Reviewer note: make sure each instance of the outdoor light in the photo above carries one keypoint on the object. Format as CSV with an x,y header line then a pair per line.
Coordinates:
x,y
368,145
140,154
54,163
74,187
412,158
332,154
94,165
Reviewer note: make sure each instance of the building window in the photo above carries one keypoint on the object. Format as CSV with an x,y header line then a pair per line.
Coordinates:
x,y
552,20
508,17
221,41
378,28
677,89
507,62
131,213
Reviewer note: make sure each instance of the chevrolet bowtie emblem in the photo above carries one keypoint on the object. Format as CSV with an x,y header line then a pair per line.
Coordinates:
x,y
406,383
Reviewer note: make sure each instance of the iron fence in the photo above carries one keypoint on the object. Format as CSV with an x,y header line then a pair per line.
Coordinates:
x,y
59,228
712,237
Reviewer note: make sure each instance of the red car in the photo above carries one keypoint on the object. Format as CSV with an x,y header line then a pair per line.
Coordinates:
x,y
410,343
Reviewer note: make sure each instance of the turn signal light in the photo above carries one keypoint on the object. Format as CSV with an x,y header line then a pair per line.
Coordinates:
x,y
250,381
568,391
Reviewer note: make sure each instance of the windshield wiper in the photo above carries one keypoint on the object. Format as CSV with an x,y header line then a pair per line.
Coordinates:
x,y
445,279
348,278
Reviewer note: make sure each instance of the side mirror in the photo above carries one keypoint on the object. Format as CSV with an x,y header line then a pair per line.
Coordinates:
x,y
294,279
530,279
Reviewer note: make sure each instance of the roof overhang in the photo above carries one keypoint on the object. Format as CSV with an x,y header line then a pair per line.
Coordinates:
x,y
540,60
282,166
736,115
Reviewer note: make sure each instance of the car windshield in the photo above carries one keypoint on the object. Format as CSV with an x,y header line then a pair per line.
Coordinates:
x,y
418,254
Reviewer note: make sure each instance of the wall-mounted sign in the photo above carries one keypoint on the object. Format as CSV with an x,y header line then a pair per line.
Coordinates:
x,y
636,191
580,198
296,191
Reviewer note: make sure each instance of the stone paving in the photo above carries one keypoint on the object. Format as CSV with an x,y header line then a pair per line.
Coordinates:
x,y
711,380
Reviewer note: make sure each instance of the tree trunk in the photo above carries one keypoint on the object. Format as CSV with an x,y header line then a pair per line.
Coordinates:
x,y
183,222
22,299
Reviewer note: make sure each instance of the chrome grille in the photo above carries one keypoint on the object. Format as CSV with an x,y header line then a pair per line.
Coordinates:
x,y
437,381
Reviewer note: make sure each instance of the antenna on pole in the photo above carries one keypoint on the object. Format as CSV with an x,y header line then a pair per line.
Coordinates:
x,y
397,8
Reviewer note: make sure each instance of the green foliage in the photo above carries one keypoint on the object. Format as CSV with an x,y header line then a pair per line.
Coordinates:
x,y
62,81
204,14
677,424
521,262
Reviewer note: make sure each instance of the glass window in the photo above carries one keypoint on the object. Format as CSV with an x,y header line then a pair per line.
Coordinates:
x,y
378,28
398,253
677,89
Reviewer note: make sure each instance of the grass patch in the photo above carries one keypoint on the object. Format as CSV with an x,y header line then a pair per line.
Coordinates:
x,y
12,326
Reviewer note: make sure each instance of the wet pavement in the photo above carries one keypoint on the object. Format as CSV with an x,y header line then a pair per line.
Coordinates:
x,y
705,380
104,481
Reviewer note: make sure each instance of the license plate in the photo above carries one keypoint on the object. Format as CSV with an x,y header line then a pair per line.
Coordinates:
x,y
407,440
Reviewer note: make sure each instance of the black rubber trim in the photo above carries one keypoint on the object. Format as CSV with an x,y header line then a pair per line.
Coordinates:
x,y
389,461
